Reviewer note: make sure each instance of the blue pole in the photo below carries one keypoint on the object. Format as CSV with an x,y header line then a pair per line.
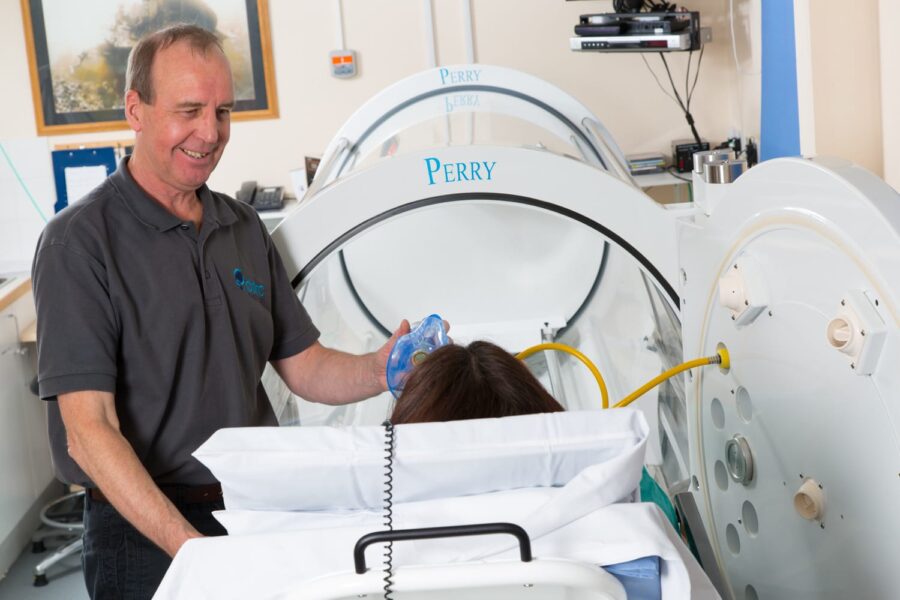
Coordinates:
x,y
780,118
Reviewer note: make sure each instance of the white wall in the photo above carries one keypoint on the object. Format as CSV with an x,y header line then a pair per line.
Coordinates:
x,y
531,35
839,77
889,19
25,467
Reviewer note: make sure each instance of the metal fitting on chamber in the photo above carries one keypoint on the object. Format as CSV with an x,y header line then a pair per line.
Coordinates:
x,y
723,171
706,156
718,166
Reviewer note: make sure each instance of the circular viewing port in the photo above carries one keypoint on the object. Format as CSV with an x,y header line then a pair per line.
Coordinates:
x,y
749,518
721,474
744,404
739,459
733,539
717,413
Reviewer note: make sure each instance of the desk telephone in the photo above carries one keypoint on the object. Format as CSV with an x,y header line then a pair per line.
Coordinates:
x,y
261,197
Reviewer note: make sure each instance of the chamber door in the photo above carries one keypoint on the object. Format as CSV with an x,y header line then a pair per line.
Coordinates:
x,y
545,248
795,459
468,105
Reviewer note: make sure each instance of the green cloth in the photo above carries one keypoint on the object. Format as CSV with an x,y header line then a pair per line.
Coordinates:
x,y
651,492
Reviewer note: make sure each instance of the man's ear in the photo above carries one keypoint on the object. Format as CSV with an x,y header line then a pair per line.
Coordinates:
x,y
134,110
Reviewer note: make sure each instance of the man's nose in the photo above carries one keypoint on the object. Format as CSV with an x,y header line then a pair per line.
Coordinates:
x,y
208,127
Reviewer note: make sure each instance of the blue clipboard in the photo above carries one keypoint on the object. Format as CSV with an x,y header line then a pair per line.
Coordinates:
x,y
87,157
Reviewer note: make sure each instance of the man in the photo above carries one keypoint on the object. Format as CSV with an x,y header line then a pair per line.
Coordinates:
x,y
149,338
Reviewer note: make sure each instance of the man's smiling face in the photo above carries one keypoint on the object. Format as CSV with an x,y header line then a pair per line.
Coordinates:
x,y
183,129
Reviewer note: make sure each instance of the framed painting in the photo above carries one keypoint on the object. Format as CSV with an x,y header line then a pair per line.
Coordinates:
x,y
78,51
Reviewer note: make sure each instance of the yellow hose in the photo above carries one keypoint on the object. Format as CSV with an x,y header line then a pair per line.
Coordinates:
x,y
721,358
570,350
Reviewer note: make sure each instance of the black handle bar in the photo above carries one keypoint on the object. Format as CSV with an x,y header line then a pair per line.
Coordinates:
x,y
427,533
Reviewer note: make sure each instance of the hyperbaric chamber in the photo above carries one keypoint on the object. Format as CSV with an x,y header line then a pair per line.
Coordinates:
x,y
504,206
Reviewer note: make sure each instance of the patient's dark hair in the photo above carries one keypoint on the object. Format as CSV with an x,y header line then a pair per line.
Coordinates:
x,y
477,381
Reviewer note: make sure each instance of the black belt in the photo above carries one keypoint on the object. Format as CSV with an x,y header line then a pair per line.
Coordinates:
x,y
187,494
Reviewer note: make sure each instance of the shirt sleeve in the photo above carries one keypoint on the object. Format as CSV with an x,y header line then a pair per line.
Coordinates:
x,y
294,329
77,330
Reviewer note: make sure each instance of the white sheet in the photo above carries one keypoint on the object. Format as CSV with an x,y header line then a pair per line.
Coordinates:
x,y
328,468
269,565
539,510
557,475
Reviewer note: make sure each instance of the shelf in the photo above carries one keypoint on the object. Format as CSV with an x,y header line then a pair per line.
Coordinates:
x,y
690,38
13,289
661,178
269,215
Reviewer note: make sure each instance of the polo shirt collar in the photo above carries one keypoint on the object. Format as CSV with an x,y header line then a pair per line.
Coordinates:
x,y
215,209
151,213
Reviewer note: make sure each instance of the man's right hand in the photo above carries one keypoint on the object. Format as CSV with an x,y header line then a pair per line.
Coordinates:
x,y
103,453
383,354
172,548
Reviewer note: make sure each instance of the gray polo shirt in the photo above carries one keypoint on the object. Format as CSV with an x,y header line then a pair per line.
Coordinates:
x,y
177,324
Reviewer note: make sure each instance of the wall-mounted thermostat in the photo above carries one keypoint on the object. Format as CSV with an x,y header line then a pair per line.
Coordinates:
x,y
343,63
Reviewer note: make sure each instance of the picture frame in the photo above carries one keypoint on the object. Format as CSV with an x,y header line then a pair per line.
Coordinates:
x,y
78,73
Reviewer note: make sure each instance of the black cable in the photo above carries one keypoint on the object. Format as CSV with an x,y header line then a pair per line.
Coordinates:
x,y
388,507
634,6
672,81
696,77
663,6
660,6
687,113
628,6
656,79
687,77
671,171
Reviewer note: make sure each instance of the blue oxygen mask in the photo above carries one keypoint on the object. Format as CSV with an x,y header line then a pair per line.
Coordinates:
x,y
412,348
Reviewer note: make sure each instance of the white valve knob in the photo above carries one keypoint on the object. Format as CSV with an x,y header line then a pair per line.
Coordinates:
x,y
742,290
841,334
731,291
809,501
857,331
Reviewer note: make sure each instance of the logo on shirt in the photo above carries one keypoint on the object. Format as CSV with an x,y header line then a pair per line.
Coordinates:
x,y
248,285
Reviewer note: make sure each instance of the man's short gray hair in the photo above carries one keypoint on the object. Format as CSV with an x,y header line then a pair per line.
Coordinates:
x,y
140,60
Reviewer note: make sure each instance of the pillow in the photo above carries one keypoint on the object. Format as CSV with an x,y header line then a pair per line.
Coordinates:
x,y
334,468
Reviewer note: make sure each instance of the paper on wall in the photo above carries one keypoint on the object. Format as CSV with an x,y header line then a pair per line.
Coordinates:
x,y
81,180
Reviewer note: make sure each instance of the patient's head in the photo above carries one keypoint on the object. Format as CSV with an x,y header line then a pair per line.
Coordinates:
x,y
477,381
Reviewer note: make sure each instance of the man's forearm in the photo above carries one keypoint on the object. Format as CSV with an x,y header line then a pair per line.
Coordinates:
x,y
320,374
341,378
109,460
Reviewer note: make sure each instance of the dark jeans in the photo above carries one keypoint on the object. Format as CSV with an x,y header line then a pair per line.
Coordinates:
x,y
119,562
